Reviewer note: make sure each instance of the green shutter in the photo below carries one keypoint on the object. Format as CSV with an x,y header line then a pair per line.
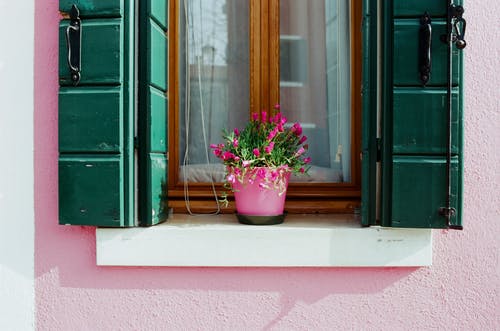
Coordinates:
x,y
153,111
369,114
96,117
413,140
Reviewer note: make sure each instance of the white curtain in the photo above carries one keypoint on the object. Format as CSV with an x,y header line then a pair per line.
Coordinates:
x,y
214,82
315,81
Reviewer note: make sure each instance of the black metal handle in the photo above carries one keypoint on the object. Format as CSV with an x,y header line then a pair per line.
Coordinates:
x,y
425,43
74,40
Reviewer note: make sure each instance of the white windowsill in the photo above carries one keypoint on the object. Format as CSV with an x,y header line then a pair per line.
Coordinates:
x,y
302,240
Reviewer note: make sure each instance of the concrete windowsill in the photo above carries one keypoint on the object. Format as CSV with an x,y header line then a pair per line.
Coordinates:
x,y
302,240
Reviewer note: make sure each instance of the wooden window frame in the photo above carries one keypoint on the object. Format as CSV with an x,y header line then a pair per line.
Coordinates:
x,y
264,93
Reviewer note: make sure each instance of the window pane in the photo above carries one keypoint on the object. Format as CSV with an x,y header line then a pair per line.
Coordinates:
x,y
315,82
214,81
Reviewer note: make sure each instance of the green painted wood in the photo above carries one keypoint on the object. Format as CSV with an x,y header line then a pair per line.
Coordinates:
x,y
416,8
155,208
101,54
90,119
91,189
96,120
418,117
419,190
413,182
158,111
158,10
94,8
369,114
153,105
405,54
158,52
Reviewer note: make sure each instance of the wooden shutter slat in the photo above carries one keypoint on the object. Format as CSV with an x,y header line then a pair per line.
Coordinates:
x,y
419,190
90,119
405,54
101,52
94,8
418,117
91,190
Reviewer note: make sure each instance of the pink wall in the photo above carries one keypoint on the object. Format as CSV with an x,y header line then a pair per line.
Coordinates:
x,y
460,290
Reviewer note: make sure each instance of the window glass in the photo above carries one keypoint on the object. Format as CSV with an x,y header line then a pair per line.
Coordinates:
x,y
315,82
214,81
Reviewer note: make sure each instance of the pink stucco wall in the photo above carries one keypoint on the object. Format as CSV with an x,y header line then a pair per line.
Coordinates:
x,y
459,292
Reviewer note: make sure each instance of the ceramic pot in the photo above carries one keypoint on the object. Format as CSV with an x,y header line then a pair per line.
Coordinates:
x,y
259,200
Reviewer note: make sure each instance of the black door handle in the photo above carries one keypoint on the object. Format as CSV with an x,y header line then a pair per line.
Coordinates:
x,y
74,40
425,43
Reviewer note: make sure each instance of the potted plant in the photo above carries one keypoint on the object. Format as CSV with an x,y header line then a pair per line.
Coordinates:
x,y
259,161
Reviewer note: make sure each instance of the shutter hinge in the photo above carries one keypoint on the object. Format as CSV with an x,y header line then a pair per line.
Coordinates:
x,y
449,213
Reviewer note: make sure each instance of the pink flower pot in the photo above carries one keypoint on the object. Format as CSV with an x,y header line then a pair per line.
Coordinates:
x,y
260,201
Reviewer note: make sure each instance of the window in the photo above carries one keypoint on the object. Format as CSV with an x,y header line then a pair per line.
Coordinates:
x,y
236,57
120,83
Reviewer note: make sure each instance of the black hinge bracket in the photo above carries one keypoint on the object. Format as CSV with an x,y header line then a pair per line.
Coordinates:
x,y
74,42
450,212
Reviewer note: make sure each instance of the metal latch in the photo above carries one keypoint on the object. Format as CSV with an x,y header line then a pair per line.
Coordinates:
x,y
457,26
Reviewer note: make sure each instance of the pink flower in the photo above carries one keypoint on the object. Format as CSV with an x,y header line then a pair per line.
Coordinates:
x,y
264,116
231,178
256,152
302,170
261,173
237,171
277,118
300,151
307,160
274,175
303,139
272,134
227,156
246,163
255,116
213,146
269,148
236,131
277,106
235,142
217,152
297,129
